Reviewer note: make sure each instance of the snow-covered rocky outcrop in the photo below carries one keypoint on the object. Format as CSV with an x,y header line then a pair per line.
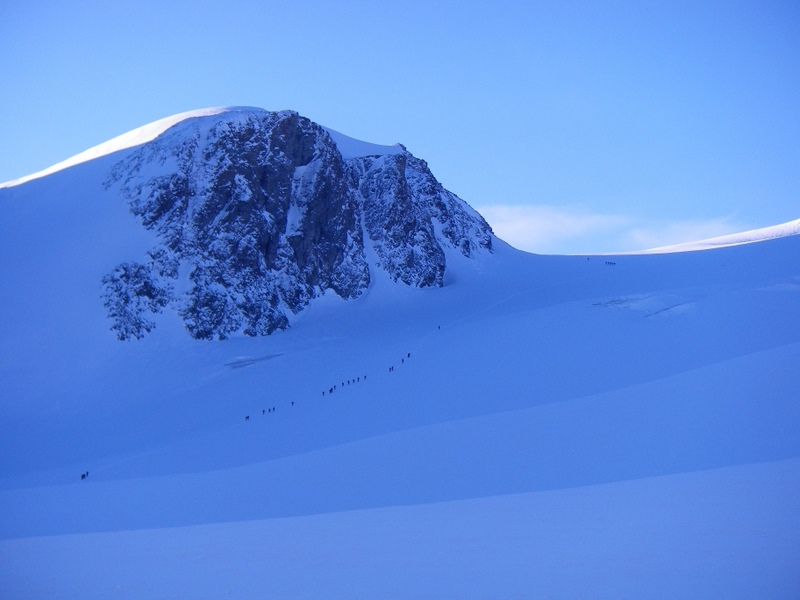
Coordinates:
x,y
256,213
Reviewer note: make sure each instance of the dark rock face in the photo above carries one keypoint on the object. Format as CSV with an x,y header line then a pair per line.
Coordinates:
x,y
403,206
257,213
130,295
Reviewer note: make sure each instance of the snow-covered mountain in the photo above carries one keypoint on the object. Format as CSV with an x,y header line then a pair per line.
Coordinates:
x,y
445,417
256,213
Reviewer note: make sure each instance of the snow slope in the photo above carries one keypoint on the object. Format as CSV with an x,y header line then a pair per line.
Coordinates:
x,y
541,426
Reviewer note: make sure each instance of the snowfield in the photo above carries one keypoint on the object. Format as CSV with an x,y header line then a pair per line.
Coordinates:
x,y
540,427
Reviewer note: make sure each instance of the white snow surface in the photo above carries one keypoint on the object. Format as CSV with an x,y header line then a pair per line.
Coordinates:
x,y
540,427
745,237
135,137
353,148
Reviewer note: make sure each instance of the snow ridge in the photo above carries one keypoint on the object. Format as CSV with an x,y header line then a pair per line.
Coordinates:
x,y
135,137
734,239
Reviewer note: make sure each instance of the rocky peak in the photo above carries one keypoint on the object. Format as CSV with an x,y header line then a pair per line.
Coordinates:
x,y
257,213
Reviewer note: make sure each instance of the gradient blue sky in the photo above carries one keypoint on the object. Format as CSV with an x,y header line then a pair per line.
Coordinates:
x,y
572,126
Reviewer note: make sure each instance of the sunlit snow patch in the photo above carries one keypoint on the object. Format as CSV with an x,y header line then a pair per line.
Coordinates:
x,y
136,137
734,239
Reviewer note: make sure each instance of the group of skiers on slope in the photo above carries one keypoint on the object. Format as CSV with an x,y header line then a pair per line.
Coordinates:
x,y
334,387
329,391
402,361
263,412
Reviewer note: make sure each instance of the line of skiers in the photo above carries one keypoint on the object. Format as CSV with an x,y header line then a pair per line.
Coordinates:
x,y
334,387
264,411
331,389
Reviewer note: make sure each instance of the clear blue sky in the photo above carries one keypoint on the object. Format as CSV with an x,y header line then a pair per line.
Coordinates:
x,y
573,126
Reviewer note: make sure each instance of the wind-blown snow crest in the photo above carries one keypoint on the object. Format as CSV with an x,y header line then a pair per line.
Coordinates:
x,y
135,137
349,147
734,239
353,148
